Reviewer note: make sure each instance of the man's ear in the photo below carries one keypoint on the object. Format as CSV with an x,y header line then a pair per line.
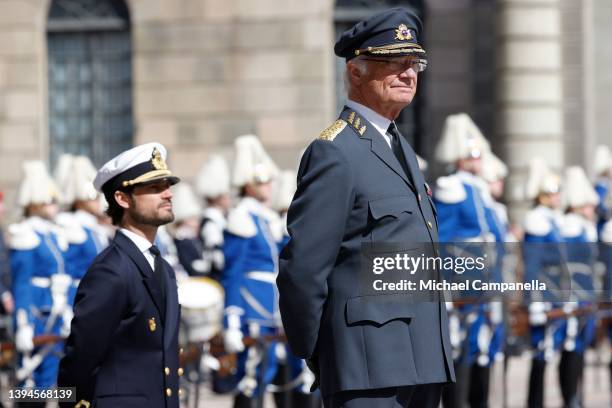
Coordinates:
x,y
354,73
123,199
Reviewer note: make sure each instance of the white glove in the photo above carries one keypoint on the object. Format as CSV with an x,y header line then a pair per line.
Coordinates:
x,y
537,313
25,333
232,338
66,321
232,341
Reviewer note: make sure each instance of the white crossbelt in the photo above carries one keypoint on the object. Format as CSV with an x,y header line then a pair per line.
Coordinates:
x,y
269,277
41,282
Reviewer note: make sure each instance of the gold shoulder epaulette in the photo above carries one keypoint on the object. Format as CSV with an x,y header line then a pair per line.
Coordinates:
x,y
331,132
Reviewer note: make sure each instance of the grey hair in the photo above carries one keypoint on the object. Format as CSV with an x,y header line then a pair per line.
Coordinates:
x,y
361,65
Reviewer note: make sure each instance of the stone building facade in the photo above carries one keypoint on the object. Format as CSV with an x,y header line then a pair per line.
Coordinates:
x,y
533,73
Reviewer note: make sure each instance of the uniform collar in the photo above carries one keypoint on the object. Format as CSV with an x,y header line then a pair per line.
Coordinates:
x,y
252,205
39,224
141,243
86,219
380,123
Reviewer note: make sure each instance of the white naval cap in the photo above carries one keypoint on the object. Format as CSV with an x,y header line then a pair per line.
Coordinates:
x,y
493,169
541,179
140,165
74,176
37,186
577,189
251,162
461,139
284,189
213,178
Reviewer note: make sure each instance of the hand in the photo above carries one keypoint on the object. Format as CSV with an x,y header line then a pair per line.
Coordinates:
x,y
66,321
232,341
24,338
8,303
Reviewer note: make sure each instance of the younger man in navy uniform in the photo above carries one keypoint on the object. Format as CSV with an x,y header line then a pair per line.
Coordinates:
x,y
123,346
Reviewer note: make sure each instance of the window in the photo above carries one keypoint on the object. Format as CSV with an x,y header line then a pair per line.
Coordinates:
x,y
90,78
349,12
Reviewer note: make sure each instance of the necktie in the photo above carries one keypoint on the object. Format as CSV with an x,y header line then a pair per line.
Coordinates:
x,y
396,147
158,271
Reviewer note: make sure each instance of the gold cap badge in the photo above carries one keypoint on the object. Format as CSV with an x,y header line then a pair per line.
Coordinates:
x,y
402,33
157,160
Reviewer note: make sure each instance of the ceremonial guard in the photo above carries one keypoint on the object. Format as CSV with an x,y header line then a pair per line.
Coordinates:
x,y
40,279
251,265
123,347
184,231
213,185
465,217
577,331
544,260
86,237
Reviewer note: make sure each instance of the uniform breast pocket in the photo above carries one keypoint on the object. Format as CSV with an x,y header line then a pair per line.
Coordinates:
x,y
378,310
390,218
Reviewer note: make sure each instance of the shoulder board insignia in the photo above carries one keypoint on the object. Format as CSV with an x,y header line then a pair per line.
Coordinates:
x,y
331,132
351,117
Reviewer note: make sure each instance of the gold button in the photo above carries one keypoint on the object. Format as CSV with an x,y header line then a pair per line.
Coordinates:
x,y
181,350
429,224
180,371
168,392
167,370
180,393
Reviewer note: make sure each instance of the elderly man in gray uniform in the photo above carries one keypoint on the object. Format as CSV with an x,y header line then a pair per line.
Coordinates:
x,y
360,183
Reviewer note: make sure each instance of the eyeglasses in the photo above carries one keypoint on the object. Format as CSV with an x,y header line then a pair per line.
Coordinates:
x,y
397,65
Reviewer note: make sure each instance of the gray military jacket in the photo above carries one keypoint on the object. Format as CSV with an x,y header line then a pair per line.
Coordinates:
x,y
353,191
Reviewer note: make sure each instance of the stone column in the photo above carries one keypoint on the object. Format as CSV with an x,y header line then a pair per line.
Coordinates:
x,y
529,111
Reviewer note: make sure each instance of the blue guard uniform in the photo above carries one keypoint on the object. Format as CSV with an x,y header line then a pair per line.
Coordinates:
x,y
543,254
577,331
251,266
466,214
85,242
40,286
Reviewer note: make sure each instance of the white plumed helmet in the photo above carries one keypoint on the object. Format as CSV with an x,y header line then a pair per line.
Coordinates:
x,y
213,179
251,162
37,186
493,169
541,180
577,189
74,176
185,204
461,139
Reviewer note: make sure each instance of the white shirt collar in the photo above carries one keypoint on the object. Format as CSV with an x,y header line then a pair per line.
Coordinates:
x,y
141,243
380,123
